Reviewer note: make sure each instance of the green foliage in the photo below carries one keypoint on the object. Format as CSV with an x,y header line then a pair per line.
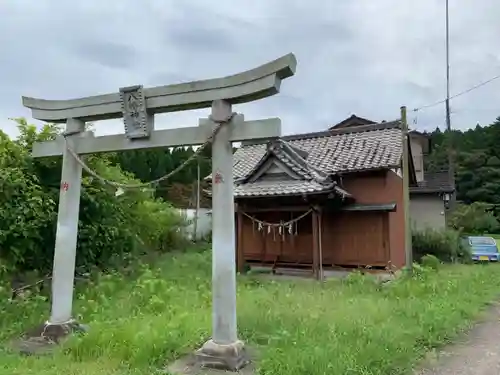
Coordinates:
x,y
430,261
446,245
149,165
418,272
477,161
141,322
152,217
474,219
110,227
25,216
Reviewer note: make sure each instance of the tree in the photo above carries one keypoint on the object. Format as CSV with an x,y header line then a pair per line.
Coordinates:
x,y
477,161
110,227
149,165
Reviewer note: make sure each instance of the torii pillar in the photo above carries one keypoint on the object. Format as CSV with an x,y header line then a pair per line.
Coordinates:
x,y
137,106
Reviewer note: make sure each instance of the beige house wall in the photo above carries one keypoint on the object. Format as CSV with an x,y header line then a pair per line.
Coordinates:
x,y
418,159
427,211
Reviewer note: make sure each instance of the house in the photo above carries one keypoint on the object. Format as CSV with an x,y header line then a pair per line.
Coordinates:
x,y
322,200
429,200
430,197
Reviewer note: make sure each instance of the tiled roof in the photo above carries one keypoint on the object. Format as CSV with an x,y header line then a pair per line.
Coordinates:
x,y
312,159
434,182
337,151
294,158
316,156
284,187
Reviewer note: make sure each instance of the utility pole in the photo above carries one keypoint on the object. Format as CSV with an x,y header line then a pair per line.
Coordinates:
x,y
197,212
406,192
448,119
451,169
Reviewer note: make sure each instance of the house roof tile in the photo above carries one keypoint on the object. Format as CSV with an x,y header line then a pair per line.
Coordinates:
x,y
284,187
345,150
434,182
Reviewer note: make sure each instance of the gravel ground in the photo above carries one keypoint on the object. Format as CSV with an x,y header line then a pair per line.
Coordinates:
x,y
478,353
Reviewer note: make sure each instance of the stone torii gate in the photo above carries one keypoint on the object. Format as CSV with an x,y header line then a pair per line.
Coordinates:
x,y
137,106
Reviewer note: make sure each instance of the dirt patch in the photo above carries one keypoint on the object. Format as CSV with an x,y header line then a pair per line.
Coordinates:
x,y
476,353
45,337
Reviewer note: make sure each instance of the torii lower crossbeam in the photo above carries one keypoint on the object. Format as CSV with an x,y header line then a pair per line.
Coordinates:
x,y
187,136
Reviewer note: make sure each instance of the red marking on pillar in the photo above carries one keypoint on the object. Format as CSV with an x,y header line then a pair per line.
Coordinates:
x,y
218,178
64,186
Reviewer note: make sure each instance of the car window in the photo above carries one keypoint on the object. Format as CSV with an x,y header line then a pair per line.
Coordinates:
x,y
482,241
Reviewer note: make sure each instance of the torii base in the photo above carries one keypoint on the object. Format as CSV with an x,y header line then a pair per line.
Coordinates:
x,y
44,338
214,359
231,357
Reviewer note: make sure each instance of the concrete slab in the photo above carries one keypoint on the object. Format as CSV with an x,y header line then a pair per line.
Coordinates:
x,y
294,274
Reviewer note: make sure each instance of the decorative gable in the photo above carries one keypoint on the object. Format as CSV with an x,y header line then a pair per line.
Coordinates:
x,y
279,162
274,169
284,170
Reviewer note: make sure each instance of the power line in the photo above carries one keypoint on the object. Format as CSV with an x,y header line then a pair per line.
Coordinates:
x,y
457,95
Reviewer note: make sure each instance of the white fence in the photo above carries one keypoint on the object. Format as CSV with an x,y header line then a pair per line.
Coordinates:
x,y
204,227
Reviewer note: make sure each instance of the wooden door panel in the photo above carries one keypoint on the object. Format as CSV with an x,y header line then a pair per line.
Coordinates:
x,y
356,238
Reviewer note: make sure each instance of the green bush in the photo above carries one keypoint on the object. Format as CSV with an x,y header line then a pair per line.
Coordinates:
x,y
474,219
27,212
110,227
430,261
153,216
446,245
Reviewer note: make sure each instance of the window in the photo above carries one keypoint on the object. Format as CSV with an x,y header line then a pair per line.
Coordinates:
x,y
475,241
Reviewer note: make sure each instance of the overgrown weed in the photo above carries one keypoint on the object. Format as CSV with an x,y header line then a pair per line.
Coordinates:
x,y
354,326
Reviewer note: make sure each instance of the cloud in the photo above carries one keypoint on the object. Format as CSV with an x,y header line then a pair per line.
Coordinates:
x,y
108,54
364,57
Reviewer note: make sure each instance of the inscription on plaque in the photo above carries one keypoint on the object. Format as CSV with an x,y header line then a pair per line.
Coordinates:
x,y
135,117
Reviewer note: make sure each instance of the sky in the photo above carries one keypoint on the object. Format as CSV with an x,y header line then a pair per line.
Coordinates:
x,y
360,57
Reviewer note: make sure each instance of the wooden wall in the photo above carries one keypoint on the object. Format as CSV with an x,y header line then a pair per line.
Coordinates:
x,y
348,238
266,247
355,239
383,188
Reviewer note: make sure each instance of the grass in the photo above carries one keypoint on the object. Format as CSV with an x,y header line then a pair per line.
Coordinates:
x,y
139,323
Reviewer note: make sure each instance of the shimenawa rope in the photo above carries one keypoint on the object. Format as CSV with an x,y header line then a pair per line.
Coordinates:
x,y
282,224
122,186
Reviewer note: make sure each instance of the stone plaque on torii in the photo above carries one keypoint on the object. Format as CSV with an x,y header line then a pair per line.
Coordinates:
x,y
137,106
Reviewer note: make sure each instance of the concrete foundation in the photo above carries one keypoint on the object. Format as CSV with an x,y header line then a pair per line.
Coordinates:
x,y
231,357
294,273
193,364
44,338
